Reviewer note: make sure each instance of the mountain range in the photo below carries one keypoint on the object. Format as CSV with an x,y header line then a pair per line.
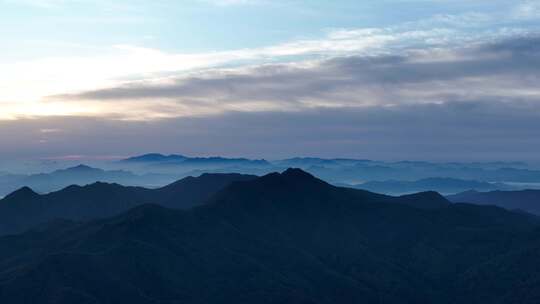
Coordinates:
x,y
157,170
181,160
78,175
281,238
338,170
25,208
439,184
524,200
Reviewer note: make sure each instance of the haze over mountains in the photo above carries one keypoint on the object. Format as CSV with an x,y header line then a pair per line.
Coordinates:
x,y
78,175
281,238
157,170
270,151
90,235
350,171
440,184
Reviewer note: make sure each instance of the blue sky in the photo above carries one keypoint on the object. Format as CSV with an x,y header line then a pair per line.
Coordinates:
x,y
129,64
35,28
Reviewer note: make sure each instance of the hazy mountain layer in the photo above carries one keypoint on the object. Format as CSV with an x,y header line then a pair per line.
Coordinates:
x,y
349,171
78,175
281,238
439,184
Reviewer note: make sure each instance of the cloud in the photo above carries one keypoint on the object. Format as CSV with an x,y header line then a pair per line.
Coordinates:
x,y
447,87
479,102
506,70
528,10
473,130
28,82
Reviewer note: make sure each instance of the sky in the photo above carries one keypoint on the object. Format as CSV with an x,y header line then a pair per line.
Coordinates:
x,y
388,79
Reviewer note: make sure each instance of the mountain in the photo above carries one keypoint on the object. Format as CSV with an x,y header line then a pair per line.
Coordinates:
x,y
173,159
350,171
25,208
224,161
525,200
280,238
154,157
78,175
306,162
438,184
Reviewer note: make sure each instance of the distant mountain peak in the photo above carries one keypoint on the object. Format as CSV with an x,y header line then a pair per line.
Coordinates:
x,y
103,185
78,169
22,193
155,157
297,173
291,176
82,167
289,180
96,186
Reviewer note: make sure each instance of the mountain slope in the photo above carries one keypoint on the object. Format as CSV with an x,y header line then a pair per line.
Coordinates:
x,y
78,175
526,200
441,185
281,238
24,208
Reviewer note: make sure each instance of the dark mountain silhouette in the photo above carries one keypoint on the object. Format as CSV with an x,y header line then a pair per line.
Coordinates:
x,y
25,208
526,200
281,238
155,157
296,185
22,195
438,184
78,175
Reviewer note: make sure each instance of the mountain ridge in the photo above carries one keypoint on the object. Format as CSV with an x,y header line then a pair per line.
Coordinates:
x,y
25,208
440,184
526,200
282,238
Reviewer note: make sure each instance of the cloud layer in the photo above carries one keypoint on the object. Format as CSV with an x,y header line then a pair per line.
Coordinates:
x,y
481,131
480,102
502,71
447,87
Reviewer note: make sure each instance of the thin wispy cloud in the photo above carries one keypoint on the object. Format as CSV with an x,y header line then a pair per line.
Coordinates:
x,y
502,71
55,75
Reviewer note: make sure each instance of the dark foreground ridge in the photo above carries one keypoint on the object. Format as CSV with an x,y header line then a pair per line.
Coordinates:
x,y
281,238
24,208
